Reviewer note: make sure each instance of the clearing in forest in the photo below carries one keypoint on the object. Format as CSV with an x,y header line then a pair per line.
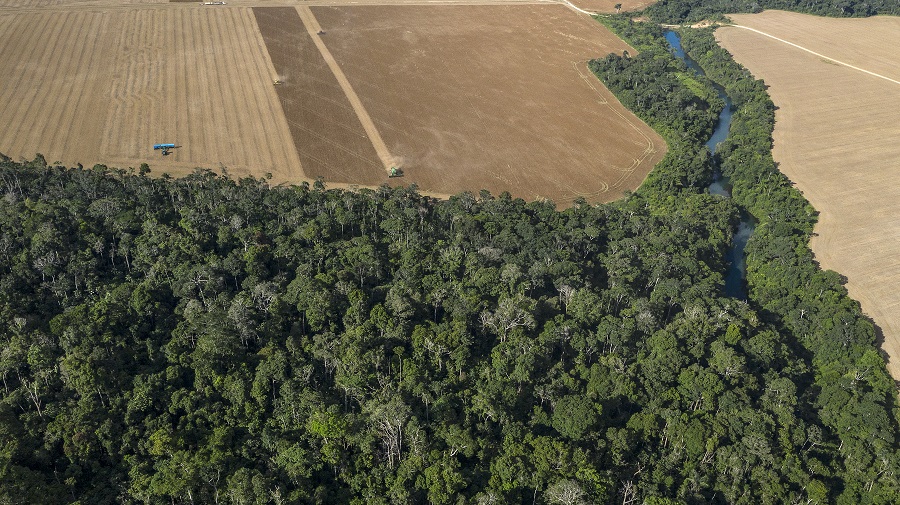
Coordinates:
x,y
461,97
836,83
495,97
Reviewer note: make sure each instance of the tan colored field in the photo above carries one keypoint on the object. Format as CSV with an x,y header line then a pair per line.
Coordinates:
x,y
103,87
607,6
837,136
610,5
463,97
495,97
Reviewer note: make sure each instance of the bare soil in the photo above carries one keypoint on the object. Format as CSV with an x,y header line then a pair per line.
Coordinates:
x,y
93,86
495,97
462,96
328,135
837,136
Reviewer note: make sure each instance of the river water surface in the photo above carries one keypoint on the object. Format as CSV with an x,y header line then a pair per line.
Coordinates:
x,y
735,283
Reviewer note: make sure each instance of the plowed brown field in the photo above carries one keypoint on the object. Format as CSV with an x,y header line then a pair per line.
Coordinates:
x,y
329,136
462,97
102,87
837,136
495,97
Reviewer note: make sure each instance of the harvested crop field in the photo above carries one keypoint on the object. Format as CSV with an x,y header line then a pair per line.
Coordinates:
x,y
837,136
95,86
327,130
461,97
496,97
609,6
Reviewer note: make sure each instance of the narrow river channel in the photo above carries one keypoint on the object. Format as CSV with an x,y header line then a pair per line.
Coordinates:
x,y
735,279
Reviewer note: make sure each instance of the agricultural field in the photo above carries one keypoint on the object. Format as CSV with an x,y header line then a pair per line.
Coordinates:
x,y
94,86
461,97
609,6
837,136
495,97
334,137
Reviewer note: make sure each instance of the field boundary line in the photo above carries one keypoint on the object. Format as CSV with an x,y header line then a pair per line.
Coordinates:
x,y
810,51
313,28
590,79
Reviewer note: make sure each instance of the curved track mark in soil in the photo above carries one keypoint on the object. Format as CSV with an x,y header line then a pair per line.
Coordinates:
x,y
648,151
572,6
313,28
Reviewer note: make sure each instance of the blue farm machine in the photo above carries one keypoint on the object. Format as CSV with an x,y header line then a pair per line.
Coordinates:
x,y
164,148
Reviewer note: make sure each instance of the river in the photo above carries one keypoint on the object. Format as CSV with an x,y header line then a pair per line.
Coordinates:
x,y
735,279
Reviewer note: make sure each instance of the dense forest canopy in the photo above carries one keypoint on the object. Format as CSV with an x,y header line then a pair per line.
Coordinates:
x,y
206,340
679,11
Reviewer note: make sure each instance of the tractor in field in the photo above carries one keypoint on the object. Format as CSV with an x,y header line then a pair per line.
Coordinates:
x,y
395,172
164,148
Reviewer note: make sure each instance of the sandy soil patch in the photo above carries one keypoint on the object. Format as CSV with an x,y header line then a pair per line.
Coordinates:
x,y
89,86
837,136
496,97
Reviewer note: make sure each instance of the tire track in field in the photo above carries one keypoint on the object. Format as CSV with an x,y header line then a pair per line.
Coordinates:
x,y
820,55
329,137
313,28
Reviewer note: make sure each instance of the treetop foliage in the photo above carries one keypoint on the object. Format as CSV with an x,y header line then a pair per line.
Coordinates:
x,y
209,340
688,11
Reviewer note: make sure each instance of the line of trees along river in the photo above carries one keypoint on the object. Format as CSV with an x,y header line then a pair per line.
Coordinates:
x,y
735,280
680,11
208,340
847,378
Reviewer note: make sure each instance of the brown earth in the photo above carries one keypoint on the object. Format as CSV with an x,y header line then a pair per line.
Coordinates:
x,y
327,132
92,87
495,97
837,136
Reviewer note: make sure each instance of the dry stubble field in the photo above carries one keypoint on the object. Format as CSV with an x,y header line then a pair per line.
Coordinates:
x,y
464,97
837,136
95,86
